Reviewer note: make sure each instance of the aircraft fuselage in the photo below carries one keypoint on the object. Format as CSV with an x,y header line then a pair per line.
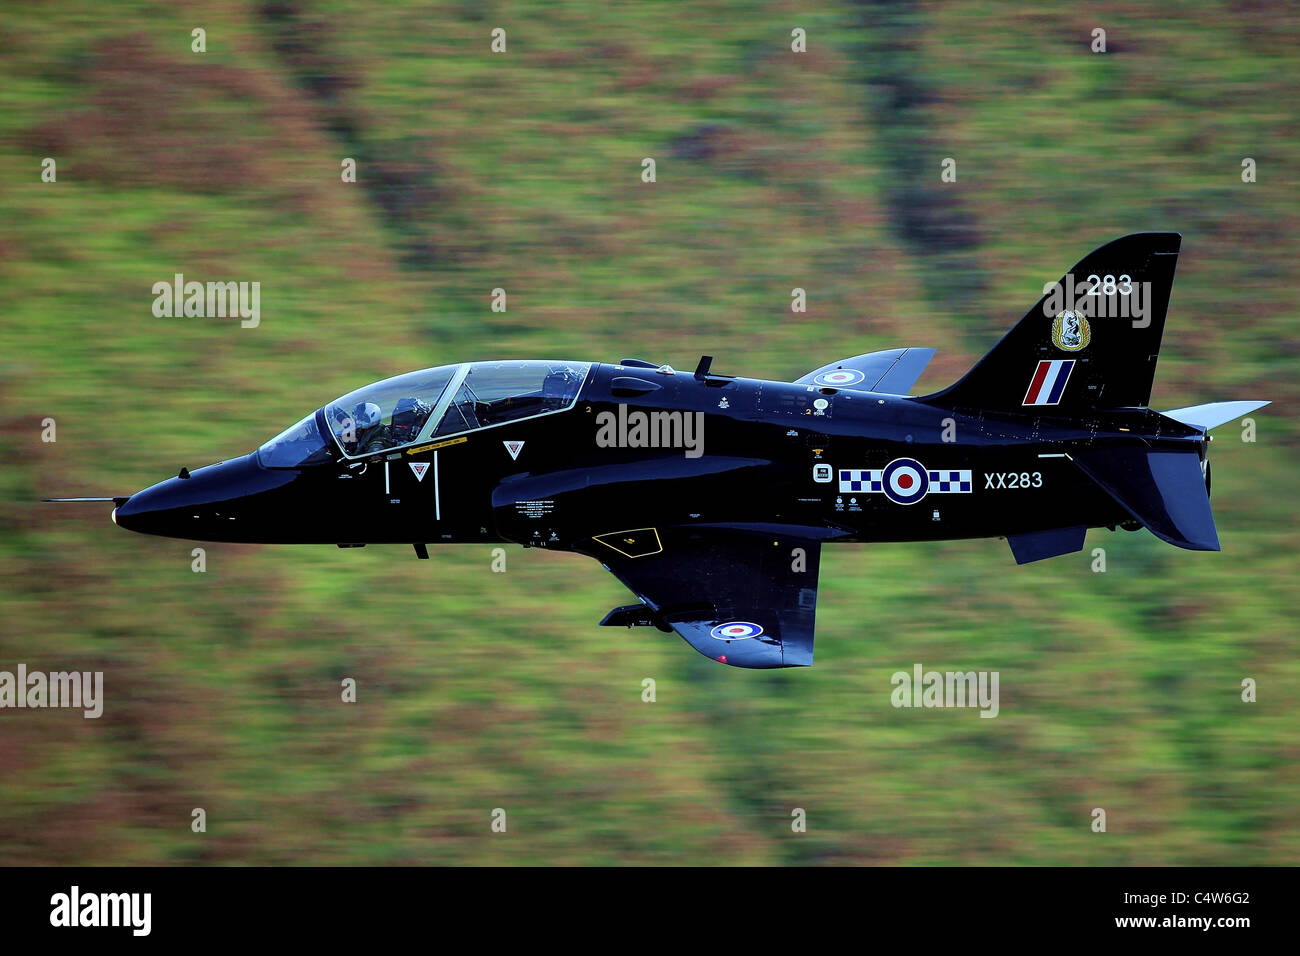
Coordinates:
x,y
840,464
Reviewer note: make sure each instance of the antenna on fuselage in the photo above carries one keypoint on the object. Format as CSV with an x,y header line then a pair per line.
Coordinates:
x,y
702,373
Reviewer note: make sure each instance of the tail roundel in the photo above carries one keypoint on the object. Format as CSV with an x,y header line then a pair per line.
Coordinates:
x,y
1090,342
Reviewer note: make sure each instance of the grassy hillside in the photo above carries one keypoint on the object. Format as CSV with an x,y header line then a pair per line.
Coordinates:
x,y
522,170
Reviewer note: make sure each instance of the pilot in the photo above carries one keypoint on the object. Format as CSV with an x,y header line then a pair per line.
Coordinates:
x,y
366,417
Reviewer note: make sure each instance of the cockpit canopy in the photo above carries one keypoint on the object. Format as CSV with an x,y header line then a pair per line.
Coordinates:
x,y
435,402
387,414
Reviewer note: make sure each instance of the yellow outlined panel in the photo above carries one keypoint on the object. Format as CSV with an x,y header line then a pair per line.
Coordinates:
x,y
634,543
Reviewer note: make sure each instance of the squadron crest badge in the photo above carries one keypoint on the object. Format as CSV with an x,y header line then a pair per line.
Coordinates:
x,y
1070,332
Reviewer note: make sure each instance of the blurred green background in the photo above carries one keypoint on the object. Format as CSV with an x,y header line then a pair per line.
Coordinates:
x,y
522,170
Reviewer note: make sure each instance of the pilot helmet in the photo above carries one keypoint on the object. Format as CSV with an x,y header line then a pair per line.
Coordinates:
x,y
366,415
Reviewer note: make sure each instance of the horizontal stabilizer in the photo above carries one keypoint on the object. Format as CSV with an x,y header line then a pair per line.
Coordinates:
x,y
893,371
1037,545
1212,415
1164,490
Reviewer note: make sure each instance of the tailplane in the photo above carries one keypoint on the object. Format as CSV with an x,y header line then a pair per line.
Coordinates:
x,y
1165,490
1212,414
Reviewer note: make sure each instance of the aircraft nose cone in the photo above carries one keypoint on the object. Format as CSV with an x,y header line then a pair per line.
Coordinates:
x,y
140,511
200,506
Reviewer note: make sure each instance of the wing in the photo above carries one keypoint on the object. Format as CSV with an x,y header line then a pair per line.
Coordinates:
x,y
893,371
741,597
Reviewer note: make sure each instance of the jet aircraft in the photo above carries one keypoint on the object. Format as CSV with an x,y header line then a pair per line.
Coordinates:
x,y
710,496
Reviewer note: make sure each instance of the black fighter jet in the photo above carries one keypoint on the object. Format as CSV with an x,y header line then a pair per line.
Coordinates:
x,y
710,496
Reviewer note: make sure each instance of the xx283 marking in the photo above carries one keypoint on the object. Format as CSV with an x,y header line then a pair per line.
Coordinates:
x,y
1013,479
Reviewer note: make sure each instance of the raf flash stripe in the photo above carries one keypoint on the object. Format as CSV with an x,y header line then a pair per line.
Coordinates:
x,y
1048,384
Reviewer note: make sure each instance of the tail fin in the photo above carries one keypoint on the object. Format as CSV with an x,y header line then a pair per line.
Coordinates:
x,y
1090,342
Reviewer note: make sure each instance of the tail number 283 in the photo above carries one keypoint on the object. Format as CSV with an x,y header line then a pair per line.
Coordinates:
x,y
1012,479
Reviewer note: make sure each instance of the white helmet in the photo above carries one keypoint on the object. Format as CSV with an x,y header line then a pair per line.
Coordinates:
x,y
366,415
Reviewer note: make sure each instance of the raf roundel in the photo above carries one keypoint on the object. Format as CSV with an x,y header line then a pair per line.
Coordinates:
x,y
840,377
905,481
736,631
